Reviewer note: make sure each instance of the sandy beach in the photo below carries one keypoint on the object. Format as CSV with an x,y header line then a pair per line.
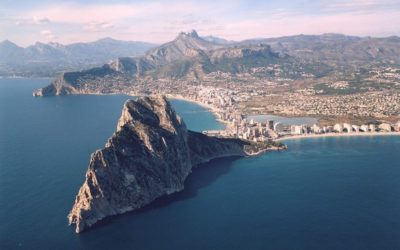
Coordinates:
x,y
213,110
338,135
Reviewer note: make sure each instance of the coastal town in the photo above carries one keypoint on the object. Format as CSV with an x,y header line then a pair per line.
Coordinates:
x,y
224,104
360,113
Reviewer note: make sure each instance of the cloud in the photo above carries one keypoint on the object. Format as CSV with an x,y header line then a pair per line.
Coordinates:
x,y
160,21
360,5
98,26
38,20
75,13
378,24
48,34
32,21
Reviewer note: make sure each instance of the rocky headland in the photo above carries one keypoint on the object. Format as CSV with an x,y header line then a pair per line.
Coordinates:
x,y
150,155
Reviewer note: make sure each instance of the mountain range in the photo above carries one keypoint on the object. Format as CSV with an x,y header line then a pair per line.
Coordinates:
x,y
319,54
336,49
190,57
49,59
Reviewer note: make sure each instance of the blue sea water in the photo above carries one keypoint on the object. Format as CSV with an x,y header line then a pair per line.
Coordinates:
x,y
284,120
323,193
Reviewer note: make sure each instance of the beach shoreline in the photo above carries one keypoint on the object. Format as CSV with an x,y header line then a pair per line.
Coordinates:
x,y
213,110
360,134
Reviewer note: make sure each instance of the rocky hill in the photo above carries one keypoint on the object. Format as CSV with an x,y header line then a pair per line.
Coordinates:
x,y
149,156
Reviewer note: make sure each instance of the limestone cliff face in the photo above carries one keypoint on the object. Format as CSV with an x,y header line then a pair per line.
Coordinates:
x,y
150,155
60,86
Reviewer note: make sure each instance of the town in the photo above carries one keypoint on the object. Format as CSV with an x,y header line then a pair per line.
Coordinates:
x,y
224,104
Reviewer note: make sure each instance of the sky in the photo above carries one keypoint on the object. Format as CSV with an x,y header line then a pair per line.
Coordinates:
x,y
69,21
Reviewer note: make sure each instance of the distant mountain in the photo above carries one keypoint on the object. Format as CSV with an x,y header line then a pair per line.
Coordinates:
x,y
336,49
186,45
304,59
48,59
218,40
188,57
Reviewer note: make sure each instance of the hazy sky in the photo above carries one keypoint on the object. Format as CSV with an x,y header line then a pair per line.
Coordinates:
x,y
68,21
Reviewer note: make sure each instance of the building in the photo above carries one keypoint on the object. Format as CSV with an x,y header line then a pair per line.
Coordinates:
x,y
279,127
338,128
296,130
327,129
347,128
372,128
385,127
397,126
316,129
355,128
364,128
271,125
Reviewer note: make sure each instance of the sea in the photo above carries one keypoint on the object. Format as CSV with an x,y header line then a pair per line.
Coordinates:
x,y
322,193
284,120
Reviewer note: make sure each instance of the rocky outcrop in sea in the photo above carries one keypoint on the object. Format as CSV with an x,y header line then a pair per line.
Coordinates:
x,y
150,155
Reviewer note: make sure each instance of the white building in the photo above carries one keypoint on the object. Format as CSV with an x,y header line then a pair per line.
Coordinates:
x,y
296,130
385,127
355,128
372,128
316,129
338,128
364,128
347,128
278,127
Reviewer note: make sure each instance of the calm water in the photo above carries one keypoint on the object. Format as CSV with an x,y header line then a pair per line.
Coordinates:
x,y
333,193
284,120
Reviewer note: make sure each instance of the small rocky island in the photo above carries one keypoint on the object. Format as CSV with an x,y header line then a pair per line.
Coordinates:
x,y
150,155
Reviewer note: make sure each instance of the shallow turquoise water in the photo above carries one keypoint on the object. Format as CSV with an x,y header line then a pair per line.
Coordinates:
x,y
323,193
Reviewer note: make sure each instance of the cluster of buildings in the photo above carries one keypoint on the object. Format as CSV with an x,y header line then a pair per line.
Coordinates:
x,y
263,131
230,101
344,128
225,103
372,104
248,130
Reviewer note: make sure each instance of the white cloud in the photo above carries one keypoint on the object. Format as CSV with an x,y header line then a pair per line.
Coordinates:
x,y
32,21
159,21
99,26
362,24
73,13
48,34
359,5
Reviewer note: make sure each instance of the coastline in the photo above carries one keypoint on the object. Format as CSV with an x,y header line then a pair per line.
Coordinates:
x,y
271,149
213,110
296,137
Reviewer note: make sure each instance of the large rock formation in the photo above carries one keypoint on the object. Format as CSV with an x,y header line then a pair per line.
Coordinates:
x,y
188,57
150,155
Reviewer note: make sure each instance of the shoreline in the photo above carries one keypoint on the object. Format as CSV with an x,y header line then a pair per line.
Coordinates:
x,y
265,150
215,111
297,137
212,109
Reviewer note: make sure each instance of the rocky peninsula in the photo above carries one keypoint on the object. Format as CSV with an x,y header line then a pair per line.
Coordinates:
x,y
150,155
